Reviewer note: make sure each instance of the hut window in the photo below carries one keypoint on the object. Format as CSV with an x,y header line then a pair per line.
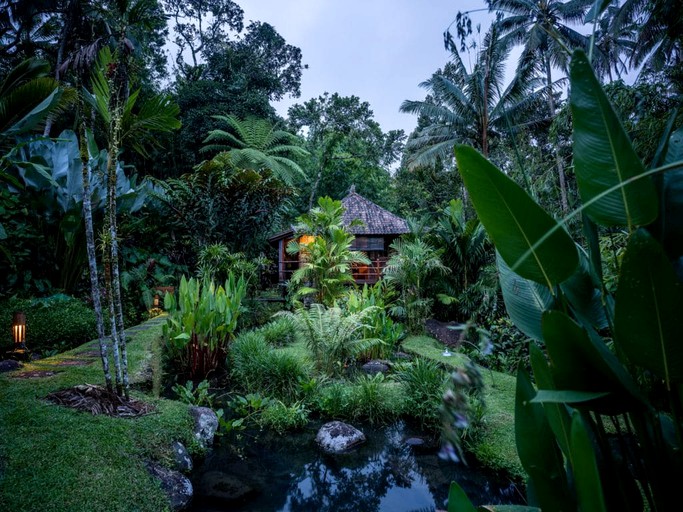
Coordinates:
x,y
368,243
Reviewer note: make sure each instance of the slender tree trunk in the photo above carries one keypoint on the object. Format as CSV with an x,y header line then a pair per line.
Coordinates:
x,y
92,259
314,188
112,319
564,203
115,309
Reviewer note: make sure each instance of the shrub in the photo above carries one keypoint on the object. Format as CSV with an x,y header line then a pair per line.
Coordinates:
x,y
282,418
335,338
378,325
375,400
258,368
334,401
370,398
280,332
59,323
424,384
201,323
199,396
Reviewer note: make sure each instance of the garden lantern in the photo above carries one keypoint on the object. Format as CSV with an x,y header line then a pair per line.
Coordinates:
x,y
19,330
19,335
156,302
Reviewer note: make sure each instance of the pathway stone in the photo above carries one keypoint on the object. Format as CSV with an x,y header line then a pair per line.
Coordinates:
x,y
35,374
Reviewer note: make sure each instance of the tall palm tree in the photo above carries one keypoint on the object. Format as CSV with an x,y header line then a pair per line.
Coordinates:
x,y
612,41
660,31
543,28
256,144
468,106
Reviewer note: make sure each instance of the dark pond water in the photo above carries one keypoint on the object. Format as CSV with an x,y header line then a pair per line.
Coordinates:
x,y
290,473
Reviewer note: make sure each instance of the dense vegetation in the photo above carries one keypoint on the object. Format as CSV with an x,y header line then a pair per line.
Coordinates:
x,y
544,212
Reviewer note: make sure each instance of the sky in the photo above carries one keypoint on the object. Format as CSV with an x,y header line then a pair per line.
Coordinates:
x,y
378,50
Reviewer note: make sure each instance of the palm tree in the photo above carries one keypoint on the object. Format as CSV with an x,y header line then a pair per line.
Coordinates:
x,y
413,263
256,144
659,40
612,40
125,125
542,27
327,257
468,107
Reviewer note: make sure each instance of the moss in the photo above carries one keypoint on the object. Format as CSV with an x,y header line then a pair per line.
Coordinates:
x,y
494,442
61,459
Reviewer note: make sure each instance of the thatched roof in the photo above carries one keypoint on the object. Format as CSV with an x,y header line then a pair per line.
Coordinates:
x,y
376,220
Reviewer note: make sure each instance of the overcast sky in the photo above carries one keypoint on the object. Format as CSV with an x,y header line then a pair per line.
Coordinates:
x,y
378,50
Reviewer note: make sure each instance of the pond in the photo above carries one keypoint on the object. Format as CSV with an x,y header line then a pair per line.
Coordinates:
x,y
290,473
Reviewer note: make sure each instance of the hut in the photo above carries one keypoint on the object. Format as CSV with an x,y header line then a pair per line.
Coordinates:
x,y
378,230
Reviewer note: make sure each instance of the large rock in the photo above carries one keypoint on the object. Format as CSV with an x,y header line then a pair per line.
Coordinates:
x,y
205,425
182,459
338,437
177,486
216,486
375,366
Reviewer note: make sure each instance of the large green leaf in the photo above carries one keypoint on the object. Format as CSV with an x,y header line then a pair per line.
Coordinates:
x,y
544,396
528,239
671,216
538,451
647,315
604,157
581,362
525,301
585,299
458,500
558,414
585,468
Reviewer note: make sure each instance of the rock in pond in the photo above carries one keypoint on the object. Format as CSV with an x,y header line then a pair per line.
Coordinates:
x,y
177,486
205,425
182,459
217,486
338,437
373,367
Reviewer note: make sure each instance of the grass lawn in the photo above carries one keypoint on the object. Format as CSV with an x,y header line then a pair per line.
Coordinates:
x,y
494,443
58,459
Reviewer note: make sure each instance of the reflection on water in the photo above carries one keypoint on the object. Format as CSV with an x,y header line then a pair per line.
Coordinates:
x,y
291,474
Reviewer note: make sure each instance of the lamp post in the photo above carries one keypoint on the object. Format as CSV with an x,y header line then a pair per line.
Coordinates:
x,y
19,335
156,302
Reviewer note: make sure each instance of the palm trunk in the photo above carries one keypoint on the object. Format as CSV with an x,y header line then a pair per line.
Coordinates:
x,y
564,203
112,320
92,260
116,309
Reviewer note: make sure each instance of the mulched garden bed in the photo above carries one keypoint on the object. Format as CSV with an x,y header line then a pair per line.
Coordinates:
x,y
97,400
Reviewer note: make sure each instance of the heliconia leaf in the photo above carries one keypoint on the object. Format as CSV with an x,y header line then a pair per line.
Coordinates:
x,y
671,216
538,451
604,157
530,241
508,508
565,397
525,301
558,414
648,327
458,500
585,468
584,298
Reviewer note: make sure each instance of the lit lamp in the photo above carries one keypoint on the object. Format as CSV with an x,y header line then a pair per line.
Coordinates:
x,y
156,301
306,239
19,334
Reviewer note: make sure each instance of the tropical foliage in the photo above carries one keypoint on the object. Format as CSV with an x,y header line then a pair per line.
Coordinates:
x,y
584,380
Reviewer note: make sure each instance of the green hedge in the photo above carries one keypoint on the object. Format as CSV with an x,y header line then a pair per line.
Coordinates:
x,y
53,323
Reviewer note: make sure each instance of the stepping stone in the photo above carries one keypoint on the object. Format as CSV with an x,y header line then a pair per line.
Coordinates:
x,y
35,374
74,362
